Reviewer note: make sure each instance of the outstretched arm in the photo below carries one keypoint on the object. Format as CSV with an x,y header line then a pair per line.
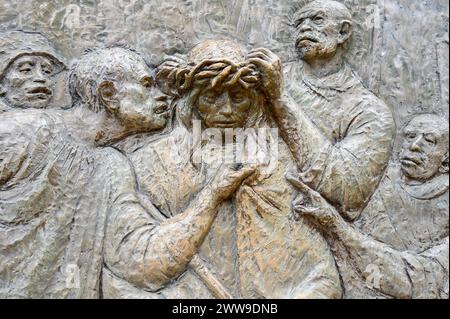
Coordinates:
x,y
345,172
398,274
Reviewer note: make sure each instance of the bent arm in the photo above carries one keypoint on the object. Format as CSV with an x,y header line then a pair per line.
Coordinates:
x,y
150,252
345,172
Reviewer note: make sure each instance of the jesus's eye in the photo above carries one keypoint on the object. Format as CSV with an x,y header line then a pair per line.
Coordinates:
x,y
209,97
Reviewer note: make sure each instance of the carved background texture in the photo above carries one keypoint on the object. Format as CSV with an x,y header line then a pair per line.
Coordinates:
x,y
400,48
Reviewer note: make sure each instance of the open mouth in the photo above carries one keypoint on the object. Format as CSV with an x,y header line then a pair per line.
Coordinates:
x,y
41,93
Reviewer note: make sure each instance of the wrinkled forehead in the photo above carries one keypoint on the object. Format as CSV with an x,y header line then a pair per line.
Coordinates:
x,y
135,69
328,9
223,88
427,125
310,12
32,59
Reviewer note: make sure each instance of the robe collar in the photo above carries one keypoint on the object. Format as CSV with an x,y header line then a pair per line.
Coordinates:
x,y
430,189
329,86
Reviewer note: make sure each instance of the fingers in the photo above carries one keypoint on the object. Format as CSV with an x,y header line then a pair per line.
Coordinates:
x,y
260,62
265,55
302,210
259,55
247,172
299,201
297,183
265,52
173,61
293,178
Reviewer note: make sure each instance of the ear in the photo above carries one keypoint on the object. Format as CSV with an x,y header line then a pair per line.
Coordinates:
x,y
444,166
107,94
346,31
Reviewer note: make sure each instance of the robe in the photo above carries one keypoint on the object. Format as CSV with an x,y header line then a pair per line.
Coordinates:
x,y
358,131
55,196
414,220
255,249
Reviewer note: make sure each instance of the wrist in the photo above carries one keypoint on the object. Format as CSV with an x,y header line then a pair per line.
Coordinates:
x,y
210,196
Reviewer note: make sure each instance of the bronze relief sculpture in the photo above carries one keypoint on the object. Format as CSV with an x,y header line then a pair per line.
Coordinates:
x,y
222,170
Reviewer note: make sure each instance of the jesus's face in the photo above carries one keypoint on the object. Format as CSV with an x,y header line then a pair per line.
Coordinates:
x,y
224,108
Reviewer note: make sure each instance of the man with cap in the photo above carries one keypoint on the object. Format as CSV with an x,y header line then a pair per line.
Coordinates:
x,y
29,66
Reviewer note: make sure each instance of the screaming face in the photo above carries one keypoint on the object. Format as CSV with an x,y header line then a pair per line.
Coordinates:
x,y
29,81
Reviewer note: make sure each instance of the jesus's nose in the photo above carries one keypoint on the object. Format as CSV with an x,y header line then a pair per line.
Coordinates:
x,y
226,105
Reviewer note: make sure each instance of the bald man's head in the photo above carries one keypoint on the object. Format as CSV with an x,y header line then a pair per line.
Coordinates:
x,y
425,147
322,28
333,8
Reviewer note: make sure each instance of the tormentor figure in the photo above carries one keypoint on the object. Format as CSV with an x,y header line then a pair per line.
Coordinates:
x,y
29,65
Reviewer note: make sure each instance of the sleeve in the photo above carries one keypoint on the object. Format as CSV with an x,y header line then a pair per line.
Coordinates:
x,y
24,143
429,272
142,246
135,246
348,172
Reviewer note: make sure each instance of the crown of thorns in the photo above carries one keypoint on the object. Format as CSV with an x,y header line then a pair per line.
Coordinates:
x,y
216,72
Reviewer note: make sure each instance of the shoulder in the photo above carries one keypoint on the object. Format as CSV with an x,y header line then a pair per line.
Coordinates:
x,y
114,160
368,109
115,170
168,148
370,103
30,126
32,119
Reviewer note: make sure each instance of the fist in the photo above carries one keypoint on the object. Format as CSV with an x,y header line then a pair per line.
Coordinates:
x,y
229,178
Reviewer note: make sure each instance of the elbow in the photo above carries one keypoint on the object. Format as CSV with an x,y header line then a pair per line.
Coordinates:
x,y
151,277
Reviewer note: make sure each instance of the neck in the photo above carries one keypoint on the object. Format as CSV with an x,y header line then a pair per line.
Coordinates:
x,y
96,129
410,181
417,182
323,67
